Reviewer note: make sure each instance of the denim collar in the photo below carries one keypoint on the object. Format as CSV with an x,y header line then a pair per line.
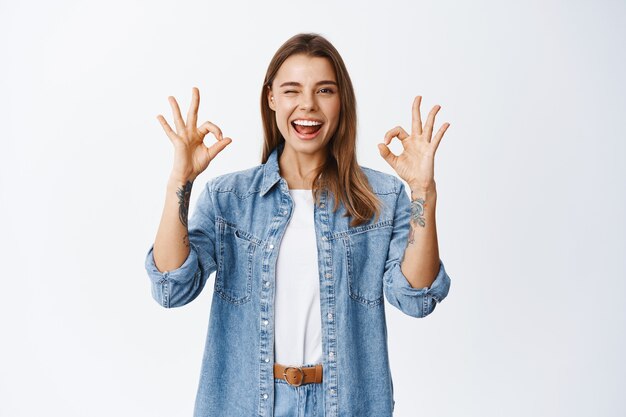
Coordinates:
x,y
271,170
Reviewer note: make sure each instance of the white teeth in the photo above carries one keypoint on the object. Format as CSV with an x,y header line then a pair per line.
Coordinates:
x,y
307,122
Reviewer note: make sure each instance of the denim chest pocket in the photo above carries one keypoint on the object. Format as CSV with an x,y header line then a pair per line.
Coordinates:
x,y
233,279
366,253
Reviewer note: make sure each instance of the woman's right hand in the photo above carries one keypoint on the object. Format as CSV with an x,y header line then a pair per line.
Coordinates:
x,y
191,155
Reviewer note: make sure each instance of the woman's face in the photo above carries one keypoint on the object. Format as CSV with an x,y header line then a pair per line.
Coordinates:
x,y
304,93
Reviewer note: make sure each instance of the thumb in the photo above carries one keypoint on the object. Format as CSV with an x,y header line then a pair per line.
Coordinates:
x,y
387,155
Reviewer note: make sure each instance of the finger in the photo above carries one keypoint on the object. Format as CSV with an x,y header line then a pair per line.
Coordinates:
x,y
398,132
416,125
387,155
217,147
168,130
437,139
207,127
178,119
430,122
192,114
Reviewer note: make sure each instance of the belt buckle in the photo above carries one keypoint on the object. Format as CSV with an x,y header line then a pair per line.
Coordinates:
x,y
301,373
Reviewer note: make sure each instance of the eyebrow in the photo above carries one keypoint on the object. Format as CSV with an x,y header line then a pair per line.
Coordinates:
x,y
297,84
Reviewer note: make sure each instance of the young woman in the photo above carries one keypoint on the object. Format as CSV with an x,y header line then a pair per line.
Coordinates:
x,y
305,247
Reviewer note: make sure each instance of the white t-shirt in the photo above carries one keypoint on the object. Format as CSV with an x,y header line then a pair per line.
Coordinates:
x,y
298,322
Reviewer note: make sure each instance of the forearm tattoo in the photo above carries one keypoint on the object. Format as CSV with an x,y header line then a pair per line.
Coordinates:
x,y
417,211
183,194
417,216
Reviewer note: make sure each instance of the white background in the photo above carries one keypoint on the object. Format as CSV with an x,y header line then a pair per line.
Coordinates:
x,y
530,181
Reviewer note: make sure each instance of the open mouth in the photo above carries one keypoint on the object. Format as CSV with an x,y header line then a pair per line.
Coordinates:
x,y
306,129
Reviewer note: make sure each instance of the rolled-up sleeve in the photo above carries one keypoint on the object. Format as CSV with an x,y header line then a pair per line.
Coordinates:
x,y
416,302
182,285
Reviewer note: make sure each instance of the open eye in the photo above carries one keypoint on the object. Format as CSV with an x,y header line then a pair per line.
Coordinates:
x,y
328,90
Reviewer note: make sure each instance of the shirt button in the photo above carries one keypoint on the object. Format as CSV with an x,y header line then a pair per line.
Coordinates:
x,y
267,283
265,322
324,238
328,275
285,212
267,360
332,391
330,316
265,396
322,205
331,355
271,246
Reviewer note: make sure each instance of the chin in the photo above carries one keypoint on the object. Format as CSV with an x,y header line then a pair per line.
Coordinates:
x,y
311,147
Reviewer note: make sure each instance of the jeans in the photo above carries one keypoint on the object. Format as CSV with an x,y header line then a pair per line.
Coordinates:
x,y
303,401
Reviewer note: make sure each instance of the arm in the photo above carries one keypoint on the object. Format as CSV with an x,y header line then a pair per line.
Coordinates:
x,y
411,286
171,246
183,255
421,257
420,298
185,251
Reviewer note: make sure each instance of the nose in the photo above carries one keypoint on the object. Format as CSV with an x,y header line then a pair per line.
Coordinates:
x,y
307,102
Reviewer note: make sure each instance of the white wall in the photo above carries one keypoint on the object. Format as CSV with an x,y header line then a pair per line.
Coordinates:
x,y
530,182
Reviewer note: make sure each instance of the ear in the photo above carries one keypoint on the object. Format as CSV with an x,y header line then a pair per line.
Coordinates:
x,y
270,99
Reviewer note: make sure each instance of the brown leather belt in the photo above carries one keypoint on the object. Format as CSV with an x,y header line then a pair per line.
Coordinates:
x,y
296,376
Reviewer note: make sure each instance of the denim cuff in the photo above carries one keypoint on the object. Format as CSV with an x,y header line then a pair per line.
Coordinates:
x,y
438,289
416,302
181,275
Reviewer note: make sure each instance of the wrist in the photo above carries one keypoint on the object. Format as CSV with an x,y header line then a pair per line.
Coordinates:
x,y
179,182
423,189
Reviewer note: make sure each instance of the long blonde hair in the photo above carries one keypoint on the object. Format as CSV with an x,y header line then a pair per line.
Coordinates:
x,y
340,174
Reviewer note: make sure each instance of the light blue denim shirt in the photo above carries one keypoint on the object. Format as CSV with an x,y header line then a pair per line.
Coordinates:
x,y
235,231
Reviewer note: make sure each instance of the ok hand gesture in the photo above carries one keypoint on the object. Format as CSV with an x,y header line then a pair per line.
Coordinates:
x,y
191,155
415,164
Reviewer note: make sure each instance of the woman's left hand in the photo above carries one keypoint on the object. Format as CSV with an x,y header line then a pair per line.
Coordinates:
x,y
415,164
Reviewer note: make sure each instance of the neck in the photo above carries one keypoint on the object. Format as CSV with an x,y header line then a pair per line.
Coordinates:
x,y
298,168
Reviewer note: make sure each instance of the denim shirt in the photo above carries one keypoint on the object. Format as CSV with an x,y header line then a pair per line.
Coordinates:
x,y
235,231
